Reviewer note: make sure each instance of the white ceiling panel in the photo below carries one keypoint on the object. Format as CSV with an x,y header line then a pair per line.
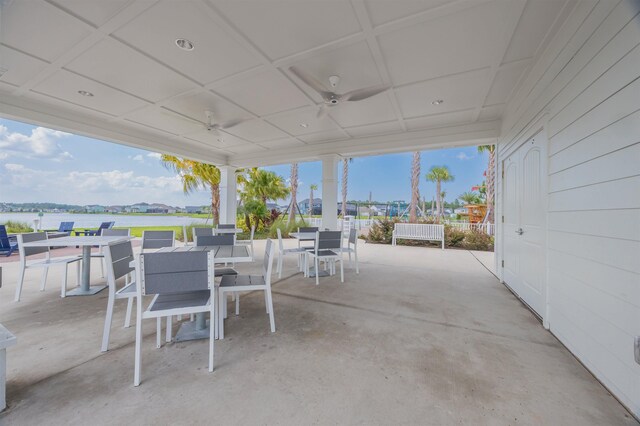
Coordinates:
x,y
94,12
194,105
57,31
491,112
353,64
65,85
505,81
536,20
165,120
368,111
135,73
266,93
245,149
375,129
294,122
282,28
440,120
455,43
21,68
328,136
461,91
218,141
282,143
383,11
256,131
216,53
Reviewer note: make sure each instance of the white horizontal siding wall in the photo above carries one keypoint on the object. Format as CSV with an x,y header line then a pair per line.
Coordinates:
x,y
584,91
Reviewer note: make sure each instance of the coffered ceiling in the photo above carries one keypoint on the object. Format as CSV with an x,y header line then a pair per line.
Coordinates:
x,y
149,93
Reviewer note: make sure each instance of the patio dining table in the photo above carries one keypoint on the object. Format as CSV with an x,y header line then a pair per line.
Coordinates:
x,y
87,243
309,236
199,329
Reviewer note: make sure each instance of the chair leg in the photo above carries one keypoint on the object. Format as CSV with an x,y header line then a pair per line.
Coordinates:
x,y
317,272
138,352
279,267
102,268
158,332
78,264
169,327
341,270
237,304
272,319
23,266
222,300
355,256
266,301
107,324
127,318
212,315
43,282
63,285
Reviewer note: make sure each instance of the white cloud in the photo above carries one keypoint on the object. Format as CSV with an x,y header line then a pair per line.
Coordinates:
x,y
42,143
155,155
463,156
138,158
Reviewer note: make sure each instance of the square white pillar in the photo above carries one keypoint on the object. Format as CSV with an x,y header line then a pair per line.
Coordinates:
x,y
228,194
330,191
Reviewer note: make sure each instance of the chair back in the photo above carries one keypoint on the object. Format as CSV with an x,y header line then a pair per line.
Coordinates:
x,y
328,240
280,243
226,226
157,239
29,238
201,232
5,244
215,240
176,272
118,256
353,236
116,232
267,264
65,227
308,229
105,225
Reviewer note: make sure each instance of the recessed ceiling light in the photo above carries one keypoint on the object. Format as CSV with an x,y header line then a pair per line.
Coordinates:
x,y
437,102
304,125
184,44
85,93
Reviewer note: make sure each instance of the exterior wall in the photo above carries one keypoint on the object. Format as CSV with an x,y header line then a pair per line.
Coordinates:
x,y
584,92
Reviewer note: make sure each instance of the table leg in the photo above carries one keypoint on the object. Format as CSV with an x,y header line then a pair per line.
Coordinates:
x,y
194,330
85,288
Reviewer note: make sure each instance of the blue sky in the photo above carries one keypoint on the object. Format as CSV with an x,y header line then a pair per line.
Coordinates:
x,y
43,165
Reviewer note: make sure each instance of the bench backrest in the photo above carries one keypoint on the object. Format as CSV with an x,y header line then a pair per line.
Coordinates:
x,y
4,238
425,231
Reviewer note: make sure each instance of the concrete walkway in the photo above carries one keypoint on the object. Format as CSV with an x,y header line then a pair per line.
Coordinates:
x,y
420,336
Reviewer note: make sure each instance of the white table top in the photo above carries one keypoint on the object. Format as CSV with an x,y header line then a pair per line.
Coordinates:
x,y
303,235
227,230
223,254
97,240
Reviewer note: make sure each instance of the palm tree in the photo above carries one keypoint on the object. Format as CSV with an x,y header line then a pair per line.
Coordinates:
x,y
312,187
294,192
469,197
491,150
415,187
264,185
439,174
345,179
195,175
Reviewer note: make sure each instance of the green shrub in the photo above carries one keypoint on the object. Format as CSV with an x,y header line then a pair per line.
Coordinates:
x,y
15,227
477,240
190,227
381,231
453,237
285,228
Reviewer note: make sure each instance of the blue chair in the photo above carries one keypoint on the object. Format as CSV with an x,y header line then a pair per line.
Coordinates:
x,y
64,229
5,244
93,233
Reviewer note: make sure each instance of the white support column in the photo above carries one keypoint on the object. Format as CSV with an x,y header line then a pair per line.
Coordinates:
x,y
228,194
330,191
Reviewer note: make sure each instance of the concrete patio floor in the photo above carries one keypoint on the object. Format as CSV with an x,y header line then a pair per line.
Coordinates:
x,y
420,336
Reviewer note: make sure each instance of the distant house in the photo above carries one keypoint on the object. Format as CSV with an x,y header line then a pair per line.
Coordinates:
x,y
317,206
94,209
194,209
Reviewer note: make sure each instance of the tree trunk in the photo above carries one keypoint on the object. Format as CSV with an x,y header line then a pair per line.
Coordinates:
x,y
490,186
311,204
215,203
415,188
345,179
294,192
438,200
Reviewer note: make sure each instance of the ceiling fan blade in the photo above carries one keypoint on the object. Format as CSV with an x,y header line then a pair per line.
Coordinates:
x,y
322,111
311,82
360,94
231,123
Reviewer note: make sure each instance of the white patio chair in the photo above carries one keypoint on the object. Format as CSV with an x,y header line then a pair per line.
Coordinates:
x,y
201,232
328,249
45,263
182,284
282,252
352,248
158,239
306,229
109,233
238,283
248,242
118,257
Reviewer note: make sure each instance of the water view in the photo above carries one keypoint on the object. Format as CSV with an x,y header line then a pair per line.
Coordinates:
x,y
52,220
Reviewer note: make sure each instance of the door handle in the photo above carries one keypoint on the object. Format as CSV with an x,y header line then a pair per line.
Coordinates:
x,y
519,231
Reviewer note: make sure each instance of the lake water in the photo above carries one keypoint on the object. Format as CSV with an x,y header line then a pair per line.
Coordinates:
x,y
52,220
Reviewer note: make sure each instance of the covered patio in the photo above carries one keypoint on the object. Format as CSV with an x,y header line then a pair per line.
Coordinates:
x,y
448,344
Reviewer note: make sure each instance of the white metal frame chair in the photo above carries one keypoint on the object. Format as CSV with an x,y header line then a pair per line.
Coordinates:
x,y
248,242
158,239
282,252
46,263
183,283
306,229
118,257
109,232
352,240
201,232
328,249
238,283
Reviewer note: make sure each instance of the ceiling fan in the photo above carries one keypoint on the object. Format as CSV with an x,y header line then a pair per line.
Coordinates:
x,y
208,123
331,98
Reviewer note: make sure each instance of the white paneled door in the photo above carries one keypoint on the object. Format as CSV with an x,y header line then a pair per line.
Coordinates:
x,y
524,187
